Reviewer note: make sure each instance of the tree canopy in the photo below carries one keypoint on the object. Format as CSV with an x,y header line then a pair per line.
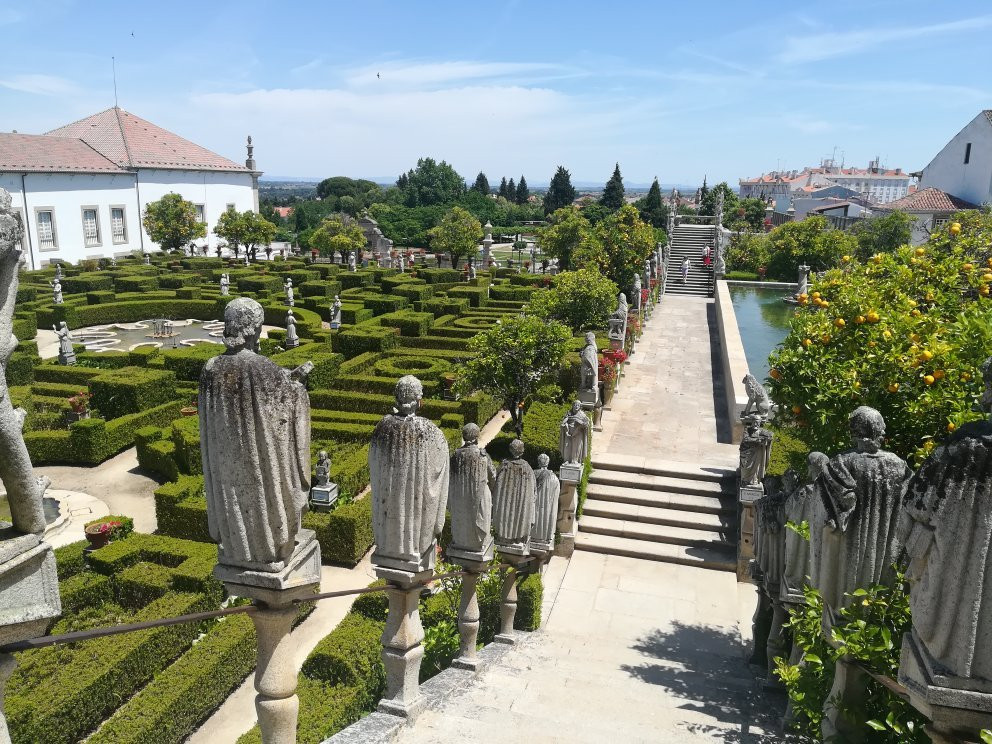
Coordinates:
x,y
560,192
431,183
523,193
569,231
511,191
652,208
613,192
171,222
339,233
503,188
623,243
582,300
481,184
458,234
245,228
883,234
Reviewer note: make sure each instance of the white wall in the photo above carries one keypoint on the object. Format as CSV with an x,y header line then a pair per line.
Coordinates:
x,y
211,189
66,194
948,172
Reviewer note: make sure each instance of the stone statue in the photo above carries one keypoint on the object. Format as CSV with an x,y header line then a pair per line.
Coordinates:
x,y
589,370
803,287
322,473
769,543
574,437
113,262
352,266
471,271
292,340
408,463
401,264
225,285
758,401
513,502
756,450
336,313
946,527
637,291
290,295
24,490
58,272
618,319
67,355
148,259
622,306
470,498
646,276
548,489
860,495
56,291
799,507
255,445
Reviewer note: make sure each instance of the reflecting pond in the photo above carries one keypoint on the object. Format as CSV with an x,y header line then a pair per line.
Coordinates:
x,y
763,319
49,505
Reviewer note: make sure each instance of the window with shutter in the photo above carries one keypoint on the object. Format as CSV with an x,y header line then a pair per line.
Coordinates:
x,y
91,229
117,226
46,231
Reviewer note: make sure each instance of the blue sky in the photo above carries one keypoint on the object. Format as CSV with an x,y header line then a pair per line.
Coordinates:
x,y
365,88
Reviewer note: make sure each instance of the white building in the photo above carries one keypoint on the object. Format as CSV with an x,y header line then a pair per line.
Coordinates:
x,y
81,189
964,166
930,209
878,185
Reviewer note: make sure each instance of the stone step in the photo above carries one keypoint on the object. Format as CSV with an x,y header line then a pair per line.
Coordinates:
x,y
690,555
719,522
687,502
670,468
650,532
662,482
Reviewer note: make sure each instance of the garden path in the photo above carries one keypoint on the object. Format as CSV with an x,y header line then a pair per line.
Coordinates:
x,y
634,650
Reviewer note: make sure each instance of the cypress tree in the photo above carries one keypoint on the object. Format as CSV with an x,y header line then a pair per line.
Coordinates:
x,y
653,200
523,193
502,188
481,183
511,191
613,192
560,192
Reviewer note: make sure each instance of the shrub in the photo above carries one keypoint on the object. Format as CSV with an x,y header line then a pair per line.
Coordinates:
x,y
135,284
808,241
326,365
355,341
345,534
130,390
410,323
181,509
582,300
188,363
905,333
70,559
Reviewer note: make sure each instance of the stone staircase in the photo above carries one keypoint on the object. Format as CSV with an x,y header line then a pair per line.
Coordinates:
x,y
689,241
661,511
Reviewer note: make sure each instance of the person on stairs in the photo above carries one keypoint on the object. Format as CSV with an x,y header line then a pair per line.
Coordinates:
x,y
707,252
685,269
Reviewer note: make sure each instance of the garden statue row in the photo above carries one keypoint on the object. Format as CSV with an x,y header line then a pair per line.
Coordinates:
x,y
28,578
868,512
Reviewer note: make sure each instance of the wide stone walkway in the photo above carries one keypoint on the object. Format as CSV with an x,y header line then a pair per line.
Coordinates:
x,y
634,650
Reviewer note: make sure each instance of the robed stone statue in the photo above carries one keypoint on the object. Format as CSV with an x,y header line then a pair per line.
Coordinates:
x,y
755,451
255,444
408,464
799,507
513,502
470,498
574,436
589,357
946,524
860,495
548,489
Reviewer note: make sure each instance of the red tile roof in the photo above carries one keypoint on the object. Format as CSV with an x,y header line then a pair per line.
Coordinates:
x,y
928,200
132,142
36,153
283,212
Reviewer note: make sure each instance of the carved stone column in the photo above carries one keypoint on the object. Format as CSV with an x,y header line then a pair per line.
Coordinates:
x,y
403,642
508,596
468,618
570,475
276,701
849,690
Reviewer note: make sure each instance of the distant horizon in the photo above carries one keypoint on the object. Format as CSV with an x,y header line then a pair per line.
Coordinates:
x,y
384,181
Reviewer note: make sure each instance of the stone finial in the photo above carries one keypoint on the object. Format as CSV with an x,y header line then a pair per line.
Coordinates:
x,y
574,435
408,463
255,445
513,502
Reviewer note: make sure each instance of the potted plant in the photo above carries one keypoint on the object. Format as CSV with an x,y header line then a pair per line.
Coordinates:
x,y
448,392
608,379
79,407
189,410
99,533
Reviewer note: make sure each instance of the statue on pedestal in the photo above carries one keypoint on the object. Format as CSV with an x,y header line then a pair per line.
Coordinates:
x,y
255,445
352,266
292,340
323,493
803,283
67,354
756,451
574,437
225,285
290,295
860,496
799,507
470,498
758,400
589,371
618,319
513,502
548,489
56,291
637,292
408,464
336,313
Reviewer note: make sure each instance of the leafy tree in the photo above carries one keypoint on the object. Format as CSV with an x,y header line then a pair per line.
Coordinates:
x,y
432,183
513,358
596,213
523,193
905,332
338,233
362,191
748,215
511,191
171,222
582,300
458,234
481,184
560,192
808,241
245,228
403,181
883,234
408,225
503,188
624,244
653,200
308,215
652,208
707,204
747,251
613,192
568,232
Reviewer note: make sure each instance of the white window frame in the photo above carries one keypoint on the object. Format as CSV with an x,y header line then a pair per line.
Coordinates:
x,y
232,207
55,233
939,222
201,212
113,237
97,241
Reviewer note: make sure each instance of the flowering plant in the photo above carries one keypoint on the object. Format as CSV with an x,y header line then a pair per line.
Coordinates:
x,y
616,356
644,296
80,402
607,372
105,527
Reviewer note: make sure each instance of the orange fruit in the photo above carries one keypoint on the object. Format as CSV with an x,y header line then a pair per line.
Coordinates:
x,y
840,323
955,228
915,313
825,338
807,342
928,379
927,355
984,291
797,410
920,251
824,303
816,295
967,267
845,259
893,387
987,277
938,374
803,296
775,374
860,319
965,376
877,258
951,426
886,335
873,317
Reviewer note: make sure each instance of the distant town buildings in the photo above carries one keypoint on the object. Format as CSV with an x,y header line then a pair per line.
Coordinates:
x,y
81,189
875,184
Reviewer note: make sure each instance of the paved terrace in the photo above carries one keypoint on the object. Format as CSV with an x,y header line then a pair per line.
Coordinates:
x,y
633,650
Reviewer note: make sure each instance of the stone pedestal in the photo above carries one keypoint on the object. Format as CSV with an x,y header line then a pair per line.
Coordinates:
x,y
508,596
402,642
849,689
570,475
273,593
468,610
957,708
322,498
747,495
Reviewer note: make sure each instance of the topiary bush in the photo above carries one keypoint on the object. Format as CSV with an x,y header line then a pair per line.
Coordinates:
x,y
131,390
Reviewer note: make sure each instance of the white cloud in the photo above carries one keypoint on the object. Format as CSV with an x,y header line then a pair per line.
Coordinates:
x,y
815,47
42,85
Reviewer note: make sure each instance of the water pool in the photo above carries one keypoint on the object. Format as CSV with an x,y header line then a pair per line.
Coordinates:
x,y
763,320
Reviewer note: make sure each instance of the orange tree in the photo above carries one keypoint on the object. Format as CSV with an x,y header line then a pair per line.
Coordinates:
x,y
904,332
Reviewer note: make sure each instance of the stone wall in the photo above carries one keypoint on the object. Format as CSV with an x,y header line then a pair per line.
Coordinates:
x,y
733,360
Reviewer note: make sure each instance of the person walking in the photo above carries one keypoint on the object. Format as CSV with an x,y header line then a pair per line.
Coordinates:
x,y
706,255
685,269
